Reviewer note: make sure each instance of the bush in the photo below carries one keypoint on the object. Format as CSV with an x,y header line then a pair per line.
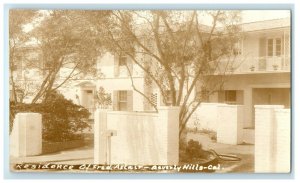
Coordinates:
x,y
62,119
193,153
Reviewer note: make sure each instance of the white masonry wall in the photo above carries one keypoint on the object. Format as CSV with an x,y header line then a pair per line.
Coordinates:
x,y
26,135
205,117
272,139
137,138
283,140
230,124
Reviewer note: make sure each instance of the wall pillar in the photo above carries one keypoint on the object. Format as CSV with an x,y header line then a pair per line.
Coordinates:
x,y
100,137
283,140
248,109
265,138
26,135
169,117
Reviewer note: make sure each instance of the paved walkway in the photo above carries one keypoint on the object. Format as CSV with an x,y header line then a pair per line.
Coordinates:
x,y
82,155
245,152
85,155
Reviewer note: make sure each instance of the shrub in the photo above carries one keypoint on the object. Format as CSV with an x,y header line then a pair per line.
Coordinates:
x,y
62,119
193,153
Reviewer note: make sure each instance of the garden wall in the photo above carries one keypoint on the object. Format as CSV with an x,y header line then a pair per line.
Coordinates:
x,y
136,137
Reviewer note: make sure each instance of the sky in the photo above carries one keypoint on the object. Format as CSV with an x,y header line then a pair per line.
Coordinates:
x,y
247,16
258,15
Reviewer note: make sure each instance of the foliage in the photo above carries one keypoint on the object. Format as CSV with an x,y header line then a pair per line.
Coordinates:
x,y
62,120
60,41
193,153
103,99
177,52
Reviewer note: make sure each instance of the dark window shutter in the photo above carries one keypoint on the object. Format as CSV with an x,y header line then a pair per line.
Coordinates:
x,y
129,100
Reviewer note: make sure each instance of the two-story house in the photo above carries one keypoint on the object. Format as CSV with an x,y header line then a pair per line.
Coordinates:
x,y
262,75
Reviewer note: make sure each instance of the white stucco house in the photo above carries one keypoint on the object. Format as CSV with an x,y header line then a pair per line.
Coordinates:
x,y
261,77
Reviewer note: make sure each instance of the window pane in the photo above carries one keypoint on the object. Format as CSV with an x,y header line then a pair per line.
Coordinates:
x,y
237,48
278,47
122,100
122,96
230,96
123,106
270,47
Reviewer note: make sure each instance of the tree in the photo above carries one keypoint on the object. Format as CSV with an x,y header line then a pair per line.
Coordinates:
x,y
17,38
62,40
184,54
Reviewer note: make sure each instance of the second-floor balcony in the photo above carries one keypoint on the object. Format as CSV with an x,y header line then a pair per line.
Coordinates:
x,y
263,64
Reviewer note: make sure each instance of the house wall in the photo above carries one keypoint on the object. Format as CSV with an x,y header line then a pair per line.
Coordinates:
x,y
115,84
246,83
106,65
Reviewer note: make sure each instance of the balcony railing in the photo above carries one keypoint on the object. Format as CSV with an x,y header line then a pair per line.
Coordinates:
x,y
258,64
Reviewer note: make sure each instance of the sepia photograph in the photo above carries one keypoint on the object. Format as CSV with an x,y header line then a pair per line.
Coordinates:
x,y
150,91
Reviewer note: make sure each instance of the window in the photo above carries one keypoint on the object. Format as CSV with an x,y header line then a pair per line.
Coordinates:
x,y
122,100
270,47
122,61
230,96
274,47
278,47
237,48
202,95
89,91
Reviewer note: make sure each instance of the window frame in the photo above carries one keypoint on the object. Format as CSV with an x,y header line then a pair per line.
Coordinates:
x,y
122,99
274,47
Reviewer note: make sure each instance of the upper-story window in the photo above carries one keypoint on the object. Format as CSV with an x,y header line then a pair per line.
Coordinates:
x,y
122,61
237,47
122,65
274,47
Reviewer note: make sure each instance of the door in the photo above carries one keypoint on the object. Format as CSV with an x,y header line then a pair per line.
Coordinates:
x,y
274,52
89,102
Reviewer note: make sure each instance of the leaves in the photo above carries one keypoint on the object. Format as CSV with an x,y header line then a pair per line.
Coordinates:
x,y
62,120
